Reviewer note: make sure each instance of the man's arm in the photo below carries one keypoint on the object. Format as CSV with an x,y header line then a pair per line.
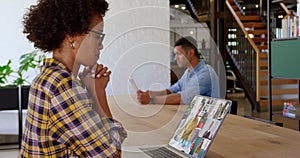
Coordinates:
x,y
170,99
159,93
158,97
146,97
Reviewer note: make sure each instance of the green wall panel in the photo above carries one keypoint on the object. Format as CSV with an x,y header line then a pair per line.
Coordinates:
x,y
285,58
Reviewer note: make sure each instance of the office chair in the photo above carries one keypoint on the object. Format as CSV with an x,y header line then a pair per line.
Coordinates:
x,y
231,77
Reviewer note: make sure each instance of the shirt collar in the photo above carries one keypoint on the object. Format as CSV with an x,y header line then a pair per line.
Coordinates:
x,y
51,62
198,66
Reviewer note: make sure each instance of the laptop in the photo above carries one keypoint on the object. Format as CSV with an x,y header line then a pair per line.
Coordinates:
x,y
196,131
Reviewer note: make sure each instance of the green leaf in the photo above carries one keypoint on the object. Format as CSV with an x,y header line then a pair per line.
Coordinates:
x,y
27,61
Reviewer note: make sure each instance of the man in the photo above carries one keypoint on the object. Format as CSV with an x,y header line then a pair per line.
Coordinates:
x,y
198,79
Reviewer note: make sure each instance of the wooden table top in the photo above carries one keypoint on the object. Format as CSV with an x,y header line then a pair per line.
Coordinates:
x,y
238,136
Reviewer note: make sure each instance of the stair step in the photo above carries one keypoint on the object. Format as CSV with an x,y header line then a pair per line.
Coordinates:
x,y
262,47
249,18
279,91
264,64
277,102
235,8
258,32
231,2
254,24
264,73
263,56
238,13
258,39
278,82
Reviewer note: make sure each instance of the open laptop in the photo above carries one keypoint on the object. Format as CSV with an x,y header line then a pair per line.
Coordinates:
x,y
196,130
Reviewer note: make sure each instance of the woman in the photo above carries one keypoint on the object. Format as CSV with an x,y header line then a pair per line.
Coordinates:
x,y
61,121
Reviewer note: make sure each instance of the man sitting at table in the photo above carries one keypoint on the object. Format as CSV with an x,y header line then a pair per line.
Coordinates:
x,y
198,79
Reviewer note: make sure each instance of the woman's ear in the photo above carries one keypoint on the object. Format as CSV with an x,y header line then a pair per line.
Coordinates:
x,y
70,38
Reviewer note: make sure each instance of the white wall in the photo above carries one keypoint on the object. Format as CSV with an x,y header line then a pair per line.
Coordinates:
x,y
137,41
137,44
13,42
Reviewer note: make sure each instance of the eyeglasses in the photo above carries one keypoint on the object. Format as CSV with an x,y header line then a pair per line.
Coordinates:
x,y
100,35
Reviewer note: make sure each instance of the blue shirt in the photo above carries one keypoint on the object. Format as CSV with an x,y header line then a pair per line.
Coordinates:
x,y
202,80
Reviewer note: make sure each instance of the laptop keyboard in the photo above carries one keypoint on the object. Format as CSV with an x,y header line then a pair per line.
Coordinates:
x,y
160,152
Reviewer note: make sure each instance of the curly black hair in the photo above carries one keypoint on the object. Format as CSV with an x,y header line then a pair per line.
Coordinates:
x,y
48,22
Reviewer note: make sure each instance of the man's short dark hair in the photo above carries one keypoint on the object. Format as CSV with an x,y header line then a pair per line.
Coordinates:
x,y
187,43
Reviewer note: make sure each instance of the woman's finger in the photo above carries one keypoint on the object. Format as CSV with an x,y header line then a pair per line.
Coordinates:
x,y
107,73
99,68
102,71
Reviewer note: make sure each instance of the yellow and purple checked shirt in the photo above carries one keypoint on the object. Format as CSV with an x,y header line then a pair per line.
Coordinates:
x,y
60,121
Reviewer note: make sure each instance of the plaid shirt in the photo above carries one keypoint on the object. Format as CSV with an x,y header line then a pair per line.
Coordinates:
x,y
60,121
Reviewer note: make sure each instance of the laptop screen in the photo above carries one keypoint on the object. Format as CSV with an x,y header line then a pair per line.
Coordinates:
x,y
199,125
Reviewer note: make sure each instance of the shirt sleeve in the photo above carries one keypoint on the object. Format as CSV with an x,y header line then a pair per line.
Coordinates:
x,y
215,86
188,94
175,87
74,123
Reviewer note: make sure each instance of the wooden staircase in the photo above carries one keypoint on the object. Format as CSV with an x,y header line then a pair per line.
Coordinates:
x,y
283,90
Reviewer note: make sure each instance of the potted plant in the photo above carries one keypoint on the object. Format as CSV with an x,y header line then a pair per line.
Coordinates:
x,y
14,95
10,90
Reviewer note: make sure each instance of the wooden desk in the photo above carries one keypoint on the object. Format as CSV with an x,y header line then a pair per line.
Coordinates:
x,y
238,136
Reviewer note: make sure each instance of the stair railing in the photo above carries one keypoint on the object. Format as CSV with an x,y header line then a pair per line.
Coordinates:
x,y
255,51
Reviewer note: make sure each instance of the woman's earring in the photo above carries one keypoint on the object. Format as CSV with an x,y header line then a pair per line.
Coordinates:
x,y
73,45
